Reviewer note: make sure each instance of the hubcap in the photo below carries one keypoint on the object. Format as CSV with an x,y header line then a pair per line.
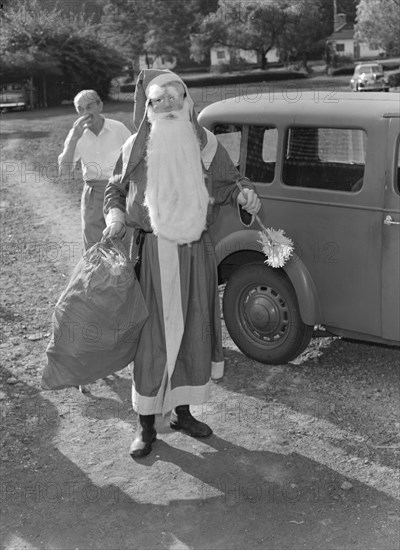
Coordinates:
x,y
264,314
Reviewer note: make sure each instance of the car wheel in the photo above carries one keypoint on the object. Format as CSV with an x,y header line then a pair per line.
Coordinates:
x,y
262,315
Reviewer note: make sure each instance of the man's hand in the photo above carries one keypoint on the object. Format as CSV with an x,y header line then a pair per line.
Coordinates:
x,y
80,125
249,200
115,229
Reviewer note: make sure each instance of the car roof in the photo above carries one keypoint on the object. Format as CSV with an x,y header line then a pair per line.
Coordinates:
x,y
371,66
303,107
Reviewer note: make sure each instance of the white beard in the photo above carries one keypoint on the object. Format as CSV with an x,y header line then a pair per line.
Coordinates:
x,y
176,195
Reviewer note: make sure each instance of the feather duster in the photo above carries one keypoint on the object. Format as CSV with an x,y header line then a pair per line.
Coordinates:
x,y
276,246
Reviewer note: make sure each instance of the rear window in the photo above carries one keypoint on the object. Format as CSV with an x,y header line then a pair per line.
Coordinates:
x,y
262,146
325,158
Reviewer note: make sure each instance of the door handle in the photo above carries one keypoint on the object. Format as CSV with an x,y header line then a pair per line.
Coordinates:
x,y
389,221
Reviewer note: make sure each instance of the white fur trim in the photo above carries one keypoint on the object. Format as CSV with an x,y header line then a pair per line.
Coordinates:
x,y
208,152
163,404
163,79
217,369
126,152
171,299
115,215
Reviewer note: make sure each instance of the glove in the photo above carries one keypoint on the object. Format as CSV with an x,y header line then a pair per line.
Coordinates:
x,y
115,229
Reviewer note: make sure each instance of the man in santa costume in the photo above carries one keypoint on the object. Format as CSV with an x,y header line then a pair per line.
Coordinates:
x,y
168,184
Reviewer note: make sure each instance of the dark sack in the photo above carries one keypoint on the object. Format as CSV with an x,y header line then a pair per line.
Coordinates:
x,y
97,320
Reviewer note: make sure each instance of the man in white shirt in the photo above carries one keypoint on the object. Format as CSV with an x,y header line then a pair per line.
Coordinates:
x,y
95,141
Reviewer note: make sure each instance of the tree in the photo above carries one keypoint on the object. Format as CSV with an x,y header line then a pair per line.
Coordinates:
x,y
348,7
308,24
378,23
124,25
156,27
170,23
248,25
60,55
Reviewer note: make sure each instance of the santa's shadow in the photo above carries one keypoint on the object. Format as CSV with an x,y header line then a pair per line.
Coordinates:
x,y
243,497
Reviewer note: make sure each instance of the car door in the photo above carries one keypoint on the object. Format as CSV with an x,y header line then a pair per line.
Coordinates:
x,y
330,203
391,238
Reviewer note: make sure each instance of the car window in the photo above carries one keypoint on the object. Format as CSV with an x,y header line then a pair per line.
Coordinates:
x,y
230,136
342,145
261,153
325,158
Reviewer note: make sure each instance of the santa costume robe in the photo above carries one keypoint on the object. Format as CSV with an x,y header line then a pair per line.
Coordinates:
x,y
180,345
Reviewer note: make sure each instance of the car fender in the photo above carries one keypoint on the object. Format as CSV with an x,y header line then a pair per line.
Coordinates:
x,y
306,291
244,246
238,241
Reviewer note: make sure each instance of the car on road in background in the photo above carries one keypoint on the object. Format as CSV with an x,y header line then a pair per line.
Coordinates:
x,y
326,169
369,77
17,96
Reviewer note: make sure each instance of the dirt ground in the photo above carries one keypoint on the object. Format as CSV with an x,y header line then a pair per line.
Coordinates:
x,y
303,456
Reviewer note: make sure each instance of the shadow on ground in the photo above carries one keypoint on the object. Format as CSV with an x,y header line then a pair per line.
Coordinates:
x,y
211,494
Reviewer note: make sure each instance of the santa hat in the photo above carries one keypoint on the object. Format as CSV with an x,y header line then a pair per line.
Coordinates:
x,y
145,80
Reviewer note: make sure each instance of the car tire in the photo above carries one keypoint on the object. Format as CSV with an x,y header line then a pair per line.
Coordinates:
x,y
262,315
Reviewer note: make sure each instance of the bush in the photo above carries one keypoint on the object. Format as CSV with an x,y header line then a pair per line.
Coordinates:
x,y
391,65
394,79
344,59
342,71
127,88
220,68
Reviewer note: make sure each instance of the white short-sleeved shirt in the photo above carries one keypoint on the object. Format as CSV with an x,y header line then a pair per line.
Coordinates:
x,y
98,154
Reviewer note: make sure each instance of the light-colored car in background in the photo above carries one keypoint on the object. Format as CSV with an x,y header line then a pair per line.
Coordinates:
x,y
18,96
369,77
326,167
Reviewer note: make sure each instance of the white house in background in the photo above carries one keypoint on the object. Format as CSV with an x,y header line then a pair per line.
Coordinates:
x,y
344,42
156,62
222,55
272,56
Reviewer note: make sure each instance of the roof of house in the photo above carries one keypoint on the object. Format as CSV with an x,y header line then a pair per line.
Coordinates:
x,y
344,32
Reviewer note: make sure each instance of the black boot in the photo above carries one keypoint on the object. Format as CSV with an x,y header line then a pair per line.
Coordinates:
x,y
181,419
145,435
